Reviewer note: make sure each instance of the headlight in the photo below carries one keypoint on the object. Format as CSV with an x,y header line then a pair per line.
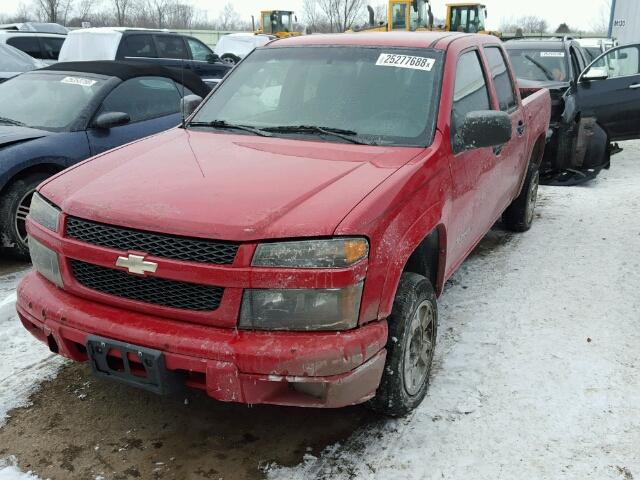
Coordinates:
x,y
45,261
301,309
329,253
44,213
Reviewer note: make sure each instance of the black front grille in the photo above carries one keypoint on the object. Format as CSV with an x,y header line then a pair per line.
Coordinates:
x,y
156,244
157,291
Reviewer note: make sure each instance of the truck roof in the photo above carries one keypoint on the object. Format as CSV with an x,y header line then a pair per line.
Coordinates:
x,y
388,39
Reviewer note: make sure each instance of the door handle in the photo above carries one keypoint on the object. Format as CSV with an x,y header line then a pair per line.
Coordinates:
x,y
521,128
635,85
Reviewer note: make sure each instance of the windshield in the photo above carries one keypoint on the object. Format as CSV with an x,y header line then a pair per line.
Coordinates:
x,y
47,101
592,53
384,95
539,65
13,60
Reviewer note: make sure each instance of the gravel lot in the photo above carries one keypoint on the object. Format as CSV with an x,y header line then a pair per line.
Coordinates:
x,y
537,375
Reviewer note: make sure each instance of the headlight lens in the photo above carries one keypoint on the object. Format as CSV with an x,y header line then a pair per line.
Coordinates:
x,y
45,261
44,213
329,253
301,309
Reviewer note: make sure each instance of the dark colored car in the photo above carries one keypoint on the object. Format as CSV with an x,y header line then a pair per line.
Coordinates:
x,y
14,62
556,64
158,47
57,116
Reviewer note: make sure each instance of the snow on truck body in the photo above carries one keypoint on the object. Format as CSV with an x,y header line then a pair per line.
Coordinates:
x,y
316,202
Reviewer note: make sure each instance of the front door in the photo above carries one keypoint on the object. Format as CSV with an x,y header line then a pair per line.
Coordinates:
x,y
609,90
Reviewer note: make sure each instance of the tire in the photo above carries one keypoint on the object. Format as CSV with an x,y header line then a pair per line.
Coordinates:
x,y
230,58
518,216
14,207
413,322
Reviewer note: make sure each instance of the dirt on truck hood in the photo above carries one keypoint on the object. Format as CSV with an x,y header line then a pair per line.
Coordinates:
x,y
225,186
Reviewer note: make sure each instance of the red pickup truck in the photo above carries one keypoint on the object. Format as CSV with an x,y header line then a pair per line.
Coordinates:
x,y
287,244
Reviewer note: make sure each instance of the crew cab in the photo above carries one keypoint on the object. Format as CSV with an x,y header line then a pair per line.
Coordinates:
x,y
158,47
594,104
287,245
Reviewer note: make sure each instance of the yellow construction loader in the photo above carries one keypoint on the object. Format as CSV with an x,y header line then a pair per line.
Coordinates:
x,y
278,23
416,15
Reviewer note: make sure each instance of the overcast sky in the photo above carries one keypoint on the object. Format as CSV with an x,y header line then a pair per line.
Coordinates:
x,y
580,14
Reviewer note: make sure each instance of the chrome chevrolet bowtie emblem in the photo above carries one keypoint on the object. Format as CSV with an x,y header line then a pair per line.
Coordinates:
x,y
136,264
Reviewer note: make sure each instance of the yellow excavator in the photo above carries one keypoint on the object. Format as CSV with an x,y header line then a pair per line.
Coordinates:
x,y
278,23
416,15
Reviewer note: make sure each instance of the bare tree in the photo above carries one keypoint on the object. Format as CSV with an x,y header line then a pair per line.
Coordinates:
x,y
600,23
159,10
181,15
333,15
121,9
228,19
54,11
528,24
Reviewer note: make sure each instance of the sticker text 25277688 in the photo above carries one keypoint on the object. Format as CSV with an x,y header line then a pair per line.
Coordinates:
x,y
406,61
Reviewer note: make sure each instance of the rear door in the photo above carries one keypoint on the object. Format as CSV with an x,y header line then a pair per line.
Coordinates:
x,y
139,47
609,90
153,105
510,157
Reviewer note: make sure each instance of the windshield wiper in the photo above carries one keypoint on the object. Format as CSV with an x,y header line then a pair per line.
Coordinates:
x,y
348,135
546,72
11,121
222,124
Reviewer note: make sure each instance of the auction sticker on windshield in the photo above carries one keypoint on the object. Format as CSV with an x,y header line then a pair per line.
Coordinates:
x,y
406,61
552,54
84,82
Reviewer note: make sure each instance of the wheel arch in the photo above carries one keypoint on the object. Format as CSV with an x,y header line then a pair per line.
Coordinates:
x,y
45,167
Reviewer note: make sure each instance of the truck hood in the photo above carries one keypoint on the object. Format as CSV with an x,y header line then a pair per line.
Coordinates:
x,y
11,135
226,186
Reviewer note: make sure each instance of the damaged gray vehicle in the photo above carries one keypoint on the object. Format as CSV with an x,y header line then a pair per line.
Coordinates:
x,y
592,106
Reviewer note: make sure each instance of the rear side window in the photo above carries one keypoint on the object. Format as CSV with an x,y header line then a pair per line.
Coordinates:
x,y
171,46
501,78
51,47
28,45
138,46
143,98
199,51
470,92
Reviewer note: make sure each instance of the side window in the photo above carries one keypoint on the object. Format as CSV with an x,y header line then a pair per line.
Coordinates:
x,y
171,46
199,51
469,94
138,46
620,62
28,45
143,98
501,79
399,15
51,47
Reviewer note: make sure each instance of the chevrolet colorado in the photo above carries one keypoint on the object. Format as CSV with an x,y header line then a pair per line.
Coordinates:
x,y
287,244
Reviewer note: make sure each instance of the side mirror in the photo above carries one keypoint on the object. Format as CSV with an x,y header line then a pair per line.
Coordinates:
x,y
109,120
596,73
484,128
189,104
212,58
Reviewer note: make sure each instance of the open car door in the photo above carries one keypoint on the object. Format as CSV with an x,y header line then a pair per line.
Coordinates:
x,y
609,90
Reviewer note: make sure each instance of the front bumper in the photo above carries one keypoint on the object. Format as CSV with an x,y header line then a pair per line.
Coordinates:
x,y
313,369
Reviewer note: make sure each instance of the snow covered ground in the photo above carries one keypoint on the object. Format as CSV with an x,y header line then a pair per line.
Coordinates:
x,y
537,371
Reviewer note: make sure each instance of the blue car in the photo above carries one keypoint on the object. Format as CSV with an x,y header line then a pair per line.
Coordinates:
x,y
57,116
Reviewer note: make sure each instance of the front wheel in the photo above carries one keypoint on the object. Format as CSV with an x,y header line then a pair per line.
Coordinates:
x,y
518,216
14,208
413,326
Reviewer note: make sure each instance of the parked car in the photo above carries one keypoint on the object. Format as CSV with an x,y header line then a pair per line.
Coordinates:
x,y
42,41
55,117
290,251
574,154
594,47
14,62
158,47
234,47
